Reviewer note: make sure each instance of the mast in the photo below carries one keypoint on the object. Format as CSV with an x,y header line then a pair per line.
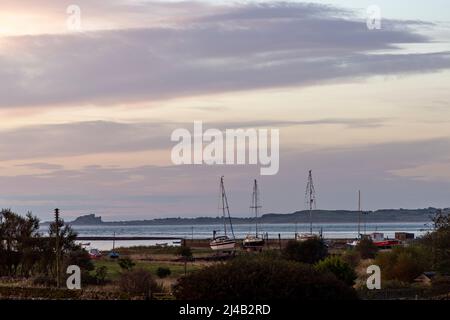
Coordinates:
x,y
255,203
222,197
225,207
359,213
310,198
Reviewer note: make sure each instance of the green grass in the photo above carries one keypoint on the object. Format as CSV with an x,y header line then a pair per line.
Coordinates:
x,y
114,270
158,250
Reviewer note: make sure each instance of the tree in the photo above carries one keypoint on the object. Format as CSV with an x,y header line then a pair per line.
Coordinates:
x,y
261,278
342,270
366,248
309,251
438,242
19,237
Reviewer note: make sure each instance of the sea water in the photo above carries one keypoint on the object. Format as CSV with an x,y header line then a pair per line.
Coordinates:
x,y
285,230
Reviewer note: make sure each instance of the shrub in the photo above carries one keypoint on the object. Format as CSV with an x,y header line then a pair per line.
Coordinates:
x,y
342,270
366,248
138,282
309,251
185,252
79,257
100,275
126,263
261,278
438,242
352,257
403,263
163,272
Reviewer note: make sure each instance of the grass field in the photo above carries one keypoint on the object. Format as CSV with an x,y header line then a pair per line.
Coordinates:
x,y
176,268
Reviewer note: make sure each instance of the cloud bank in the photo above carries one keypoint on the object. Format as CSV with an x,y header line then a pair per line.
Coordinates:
x,y
225,49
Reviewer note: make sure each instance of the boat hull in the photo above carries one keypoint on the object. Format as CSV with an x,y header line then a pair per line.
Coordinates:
x,y
253,243
305,237
385,244
223,245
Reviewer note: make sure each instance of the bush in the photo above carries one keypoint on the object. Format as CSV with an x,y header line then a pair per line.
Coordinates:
x,y
100,275
126,264
185,252
342,270
366,248
352,257
261,278
403,263
309,251
438,242
138,282
79,257
162,272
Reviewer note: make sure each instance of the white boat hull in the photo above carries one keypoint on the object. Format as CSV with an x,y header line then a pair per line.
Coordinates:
x,y
253,242
305,236
227,245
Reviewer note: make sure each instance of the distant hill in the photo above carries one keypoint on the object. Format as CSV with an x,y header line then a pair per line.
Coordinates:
x,y
319,216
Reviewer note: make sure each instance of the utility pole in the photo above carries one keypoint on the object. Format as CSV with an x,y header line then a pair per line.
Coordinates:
x,y
58,250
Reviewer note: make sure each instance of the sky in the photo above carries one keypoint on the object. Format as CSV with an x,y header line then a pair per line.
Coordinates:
x,y
87,113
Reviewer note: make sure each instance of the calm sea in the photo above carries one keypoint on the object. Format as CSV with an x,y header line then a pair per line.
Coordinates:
x,y
287,231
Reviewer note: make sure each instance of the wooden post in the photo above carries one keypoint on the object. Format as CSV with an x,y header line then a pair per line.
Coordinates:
x,y
279,240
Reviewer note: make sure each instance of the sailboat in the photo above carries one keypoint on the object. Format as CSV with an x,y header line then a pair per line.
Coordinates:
x,y
113,254
310,199
254,242
355,242
224,243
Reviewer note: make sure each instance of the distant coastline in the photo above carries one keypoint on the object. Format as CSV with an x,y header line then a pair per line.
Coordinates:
x,y
319,216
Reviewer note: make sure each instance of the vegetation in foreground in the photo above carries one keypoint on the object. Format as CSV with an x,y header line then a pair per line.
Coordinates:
x,y
302,270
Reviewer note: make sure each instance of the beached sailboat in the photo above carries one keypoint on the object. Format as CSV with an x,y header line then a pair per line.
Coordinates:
x,y
355,242
377,238
254,242
310,200
224,243
113,254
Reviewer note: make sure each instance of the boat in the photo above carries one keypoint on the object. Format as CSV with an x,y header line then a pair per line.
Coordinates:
x,y
378,240
162,244
383,243
224,243
305,236
94,253
310,200
355,242
254,242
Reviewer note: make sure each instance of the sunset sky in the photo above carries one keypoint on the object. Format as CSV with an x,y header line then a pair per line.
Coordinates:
x,y
87,115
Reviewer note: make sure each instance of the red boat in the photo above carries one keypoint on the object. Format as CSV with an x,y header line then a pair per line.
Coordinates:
x,y
379,240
